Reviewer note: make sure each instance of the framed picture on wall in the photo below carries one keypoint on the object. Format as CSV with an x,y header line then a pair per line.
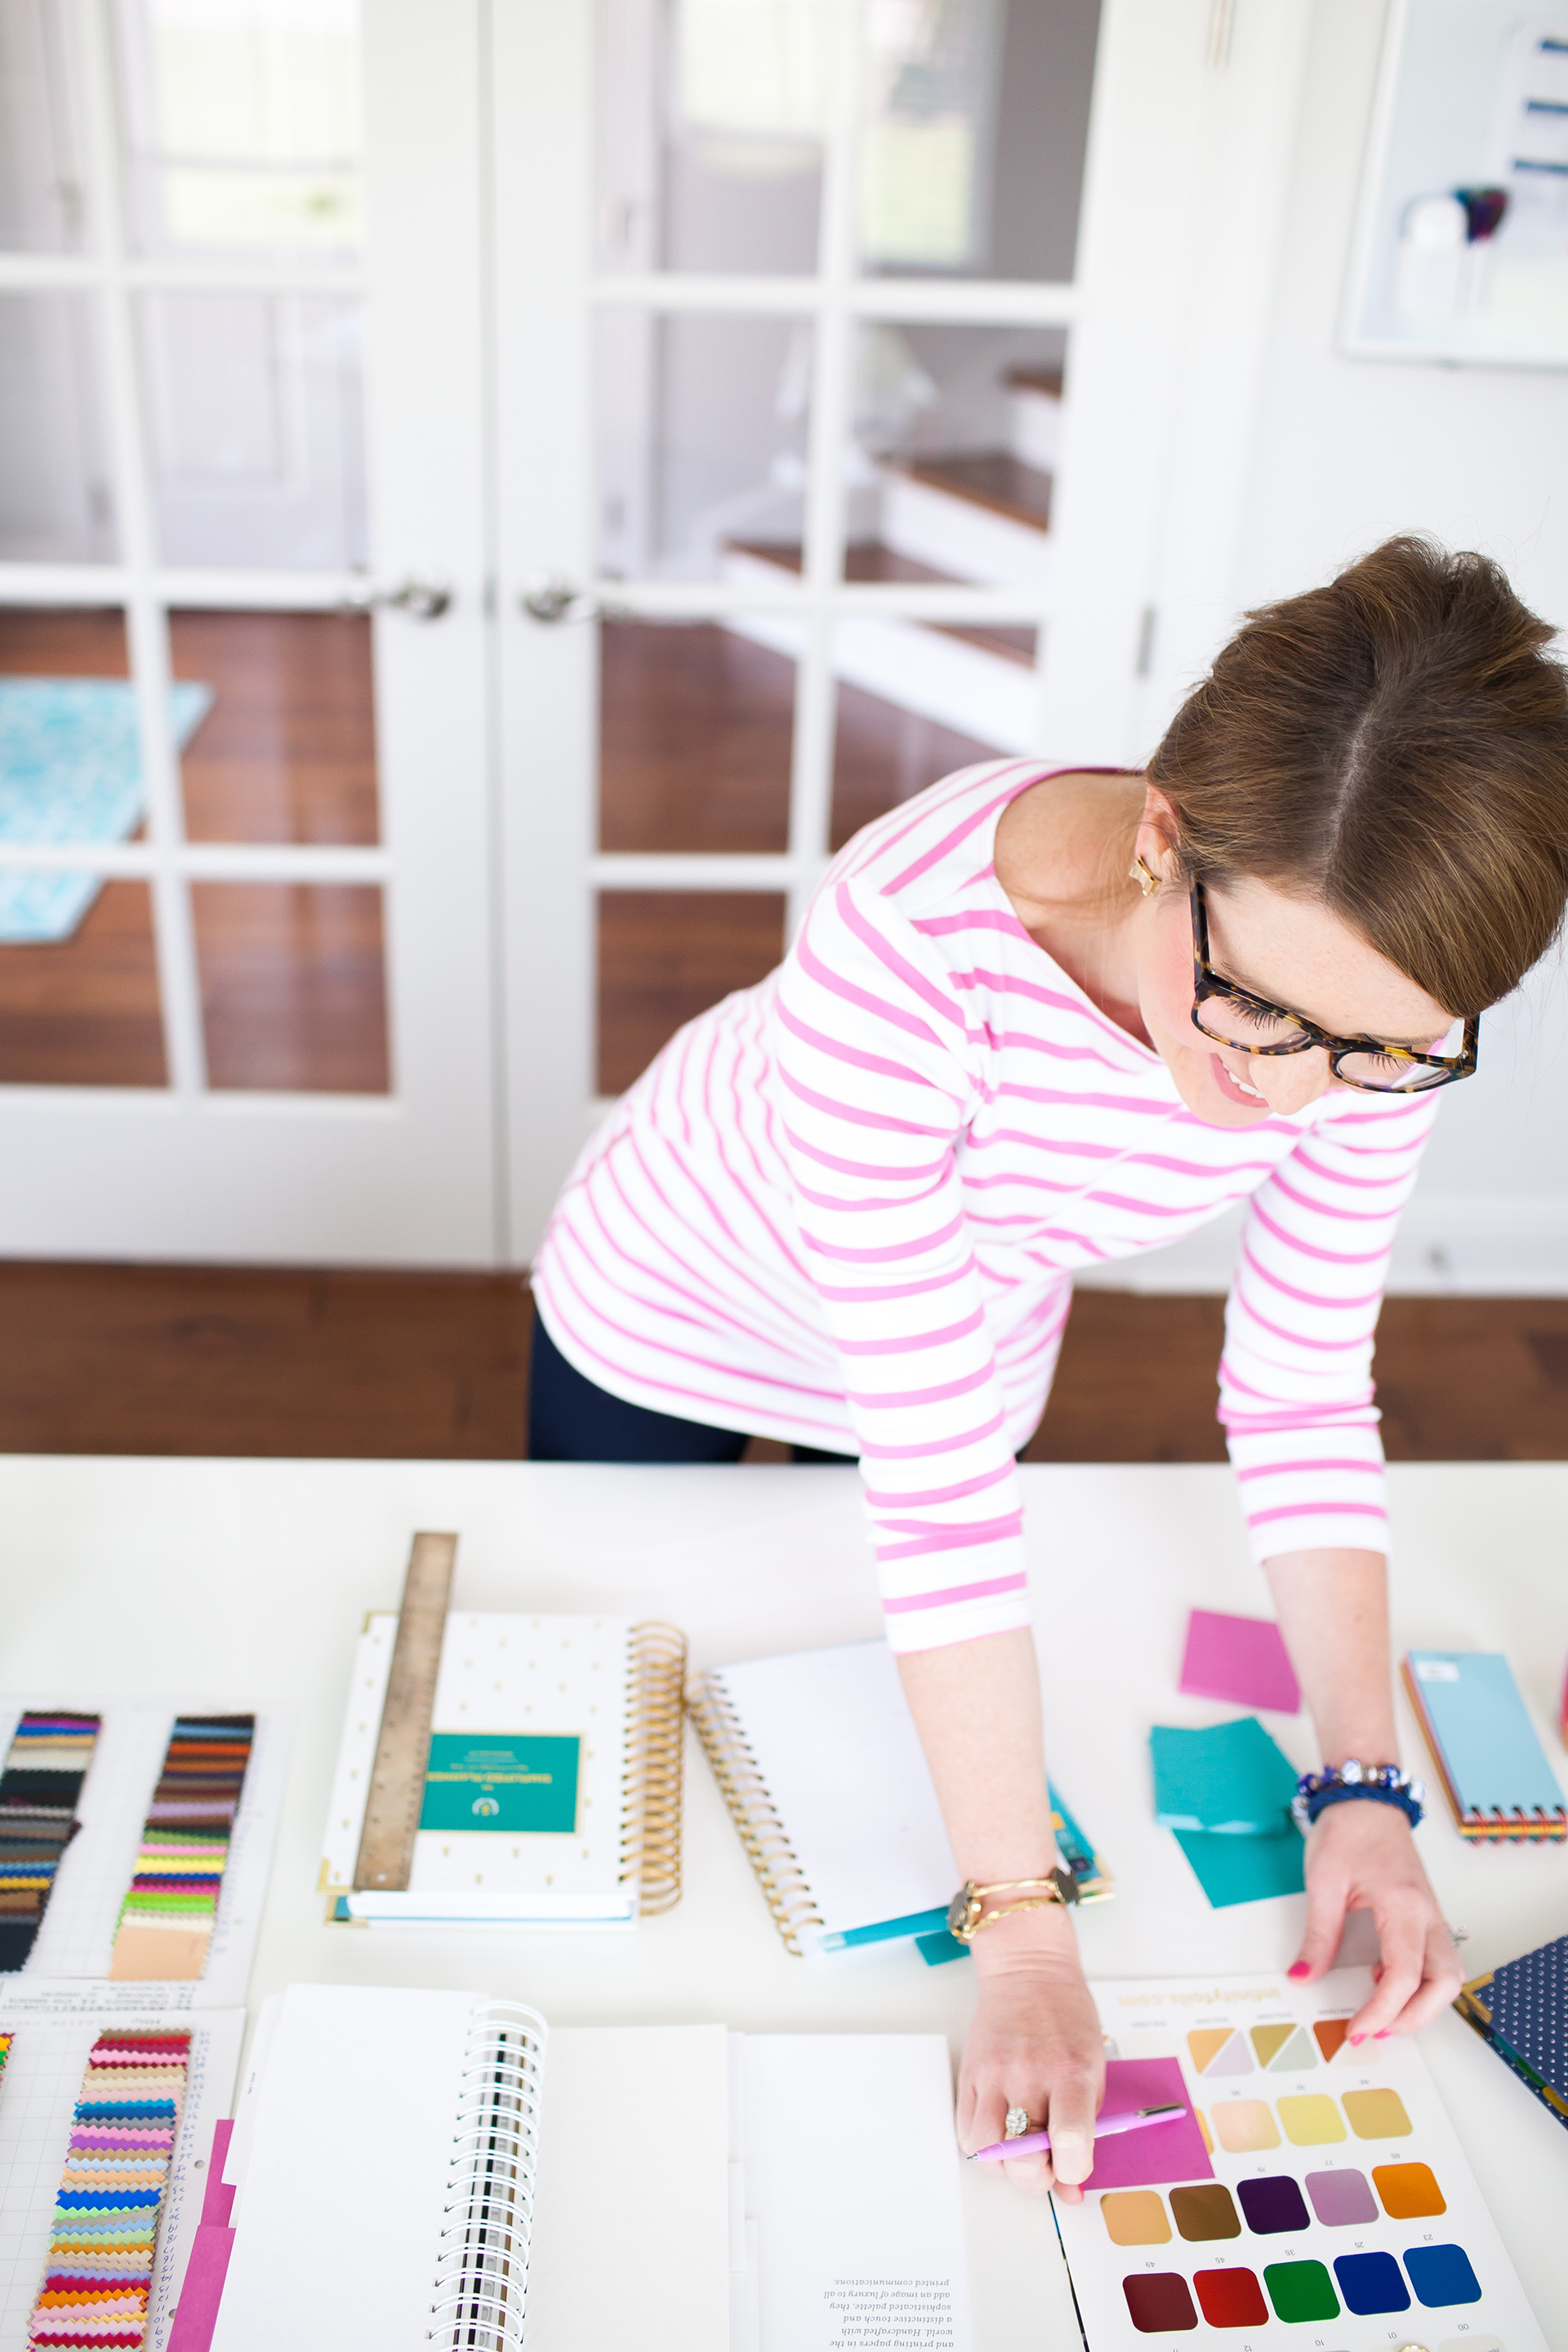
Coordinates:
x,y
1460,251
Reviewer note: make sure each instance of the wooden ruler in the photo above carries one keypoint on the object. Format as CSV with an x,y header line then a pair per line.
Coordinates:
x,y
403,1750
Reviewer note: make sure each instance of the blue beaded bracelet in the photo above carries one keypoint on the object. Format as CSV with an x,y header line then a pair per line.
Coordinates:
x,y
1386,1784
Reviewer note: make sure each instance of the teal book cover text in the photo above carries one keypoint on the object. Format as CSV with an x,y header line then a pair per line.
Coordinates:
x,y
500,1780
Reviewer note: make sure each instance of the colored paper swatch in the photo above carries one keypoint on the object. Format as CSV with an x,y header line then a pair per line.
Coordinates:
x,y
1204,2212
167,1918
1231,2298
1314,2121
1161,2152
1241,1660
1300,2291
1375,2114
1245,2126
1340,2199
1245,1869
105,2224
1228,1778
1219,2050
39,1790
206,2267
1493,1769
1135,2217
1159,2304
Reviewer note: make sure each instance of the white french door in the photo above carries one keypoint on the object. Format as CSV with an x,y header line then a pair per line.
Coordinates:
x,y
242,296
820,389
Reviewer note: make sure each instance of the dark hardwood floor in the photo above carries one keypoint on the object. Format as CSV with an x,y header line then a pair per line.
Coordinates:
x,y
191,1359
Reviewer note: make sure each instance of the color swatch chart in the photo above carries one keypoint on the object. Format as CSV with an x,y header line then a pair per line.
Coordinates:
x,y
45,1768
1327,2202
167,1917
102,2120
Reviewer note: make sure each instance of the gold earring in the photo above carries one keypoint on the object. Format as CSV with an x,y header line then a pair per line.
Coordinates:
x,y
1144,874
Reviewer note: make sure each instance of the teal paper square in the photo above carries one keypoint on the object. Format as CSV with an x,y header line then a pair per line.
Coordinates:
x,y
518,1786
1245,1869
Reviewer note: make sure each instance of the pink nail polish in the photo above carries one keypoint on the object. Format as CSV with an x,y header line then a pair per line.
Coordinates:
x,y
1356,2040
1299,1971
1382,2036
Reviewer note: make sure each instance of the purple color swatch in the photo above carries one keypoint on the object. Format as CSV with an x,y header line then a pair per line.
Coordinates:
x,y
1160,2153
1341,2197
1240,1660
1273,2206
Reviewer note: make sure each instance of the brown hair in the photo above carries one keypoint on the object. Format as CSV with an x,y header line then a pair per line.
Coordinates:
x,y
1395,745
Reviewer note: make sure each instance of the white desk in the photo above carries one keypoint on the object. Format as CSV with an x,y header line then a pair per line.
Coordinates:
x,y
247,1580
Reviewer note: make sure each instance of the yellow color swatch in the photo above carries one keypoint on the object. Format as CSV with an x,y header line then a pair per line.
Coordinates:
x,y
1376,2115
1267,2038
1206,2042
1134,2217
1203,2127
1312,2120
1246,2125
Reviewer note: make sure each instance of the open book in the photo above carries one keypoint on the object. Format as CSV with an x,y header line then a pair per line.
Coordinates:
x,y
418,2168
552,1792
823,1772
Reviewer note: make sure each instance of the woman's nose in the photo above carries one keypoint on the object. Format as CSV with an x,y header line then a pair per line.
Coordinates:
x,y
1290,1081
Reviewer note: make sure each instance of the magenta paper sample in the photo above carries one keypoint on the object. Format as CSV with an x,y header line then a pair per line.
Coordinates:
x,y
1239,1659
1159,2152
201,2290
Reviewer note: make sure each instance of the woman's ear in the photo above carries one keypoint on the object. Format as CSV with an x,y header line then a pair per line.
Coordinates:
x,y
1158,831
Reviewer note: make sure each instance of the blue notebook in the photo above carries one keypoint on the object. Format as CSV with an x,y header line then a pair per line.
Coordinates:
x,y
1521,2008
1493,1769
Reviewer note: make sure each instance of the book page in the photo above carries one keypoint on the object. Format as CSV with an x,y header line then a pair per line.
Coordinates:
x,y
339,2215
830,1726
851,2174
631,2232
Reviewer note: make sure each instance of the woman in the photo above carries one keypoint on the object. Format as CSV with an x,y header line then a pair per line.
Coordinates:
x,y
1038,1021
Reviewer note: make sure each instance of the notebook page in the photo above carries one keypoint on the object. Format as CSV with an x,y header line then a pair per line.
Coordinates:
x,y
837,1748
631,2233
856,2252
341,2202
1487,1740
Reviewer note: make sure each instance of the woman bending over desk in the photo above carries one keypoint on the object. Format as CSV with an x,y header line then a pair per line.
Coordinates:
x,y
1036,1021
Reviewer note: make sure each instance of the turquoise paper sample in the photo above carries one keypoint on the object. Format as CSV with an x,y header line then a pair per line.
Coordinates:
x,y
1229,1779
516,1784
1244,1869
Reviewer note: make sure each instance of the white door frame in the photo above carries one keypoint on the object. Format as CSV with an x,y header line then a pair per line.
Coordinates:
x,y
1167,331
416,1176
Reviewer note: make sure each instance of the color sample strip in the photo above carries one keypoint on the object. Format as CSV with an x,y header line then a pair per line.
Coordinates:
x,y
5,2052
39,1789
105,2225
166,1920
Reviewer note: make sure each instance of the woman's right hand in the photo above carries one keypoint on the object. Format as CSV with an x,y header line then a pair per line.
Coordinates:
x,y
1036,2043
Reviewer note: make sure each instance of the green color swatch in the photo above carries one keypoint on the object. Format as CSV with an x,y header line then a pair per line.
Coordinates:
x,y
520,1786
1301,2291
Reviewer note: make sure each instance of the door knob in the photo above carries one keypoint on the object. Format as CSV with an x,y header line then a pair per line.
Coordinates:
x,y
422,600
551,598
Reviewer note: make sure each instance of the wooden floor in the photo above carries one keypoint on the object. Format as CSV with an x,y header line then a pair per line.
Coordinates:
x,y
183,1360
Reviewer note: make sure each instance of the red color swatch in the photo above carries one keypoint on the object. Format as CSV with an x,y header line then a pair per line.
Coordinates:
x,y
1231,2298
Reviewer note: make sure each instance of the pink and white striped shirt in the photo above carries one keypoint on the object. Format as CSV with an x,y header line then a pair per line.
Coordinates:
x,y
844,1208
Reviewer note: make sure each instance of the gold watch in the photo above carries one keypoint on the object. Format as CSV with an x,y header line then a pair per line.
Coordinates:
x,y
966,1914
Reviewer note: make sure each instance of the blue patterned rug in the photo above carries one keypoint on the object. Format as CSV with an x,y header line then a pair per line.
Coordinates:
x,y
70,769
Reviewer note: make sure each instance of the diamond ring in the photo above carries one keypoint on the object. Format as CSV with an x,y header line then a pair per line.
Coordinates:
x,y
1015,2123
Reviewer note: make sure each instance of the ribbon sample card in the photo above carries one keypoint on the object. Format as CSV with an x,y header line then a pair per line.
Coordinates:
x,y
39,1786
167,1918
1315,2184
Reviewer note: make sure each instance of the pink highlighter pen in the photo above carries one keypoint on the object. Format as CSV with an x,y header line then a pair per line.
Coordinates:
x,y
1033,2143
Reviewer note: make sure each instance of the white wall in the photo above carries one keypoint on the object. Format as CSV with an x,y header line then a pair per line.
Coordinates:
x,y
1346,452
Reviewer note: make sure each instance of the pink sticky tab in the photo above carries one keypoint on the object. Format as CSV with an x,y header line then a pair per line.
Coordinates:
x,y
201,2292
217,2203
1160,2152
1241,1660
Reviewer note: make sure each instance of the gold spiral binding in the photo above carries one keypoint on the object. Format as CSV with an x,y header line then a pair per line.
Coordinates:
x,y
650,1845
752,1811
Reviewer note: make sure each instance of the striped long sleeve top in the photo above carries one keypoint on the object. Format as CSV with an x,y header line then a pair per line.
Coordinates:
x,y
845,1207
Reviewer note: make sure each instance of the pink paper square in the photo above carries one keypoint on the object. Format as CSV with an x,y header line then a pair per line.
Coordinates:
x,y
1156,2152
1241,1660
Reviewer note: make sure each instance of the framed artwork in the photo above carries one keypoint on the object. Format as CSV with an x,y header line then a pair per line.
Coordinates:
x,y
1460,252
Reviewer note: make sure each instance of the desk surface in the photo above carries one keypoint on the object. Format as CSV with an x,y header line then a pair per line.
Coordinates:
x,y
248,1582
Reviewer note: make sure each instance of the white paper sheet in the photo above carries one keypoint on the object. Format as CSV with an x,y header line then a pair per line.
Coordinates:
x,y
824,1724
852,2180
38,2093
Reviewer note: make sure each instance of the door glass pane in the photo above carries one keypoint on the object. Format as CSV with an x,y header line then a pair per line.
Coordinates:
x,y
885,749
256,414
667,955
711,122
702,427
56,502
40,173
286,749
975,128
695,726
292,993
242,124
78,982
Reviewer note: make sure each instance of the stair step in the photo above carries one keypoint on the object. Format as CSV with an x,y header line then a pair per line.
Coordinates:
x,y
869,560
992,479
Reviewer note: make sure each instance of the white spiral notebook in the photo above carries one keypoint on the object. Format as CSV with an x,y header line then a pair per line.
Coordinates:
x,y
420,2167
553,1789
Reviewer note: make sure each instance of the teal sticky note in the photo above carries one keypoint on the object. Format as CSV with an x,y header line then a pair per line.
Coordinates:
x,y
1229,1779
497,1781
1244,1869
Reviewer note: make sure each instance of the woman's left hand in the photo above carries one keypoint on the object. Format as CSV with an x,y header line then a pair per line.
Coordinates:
x,y
1361,1856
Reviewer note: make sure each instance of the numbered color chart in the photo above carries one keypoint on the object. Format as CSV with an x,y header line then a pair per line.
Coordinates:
x,y
1315,2196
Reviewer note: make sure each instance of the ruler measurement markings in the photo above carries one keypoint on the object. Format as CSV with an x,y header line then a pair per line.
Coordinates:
x,y
385,1856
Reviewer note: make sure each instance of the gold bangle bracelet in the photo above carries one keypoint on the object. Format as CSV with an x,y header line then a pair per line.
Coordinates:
x,y
966,1914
